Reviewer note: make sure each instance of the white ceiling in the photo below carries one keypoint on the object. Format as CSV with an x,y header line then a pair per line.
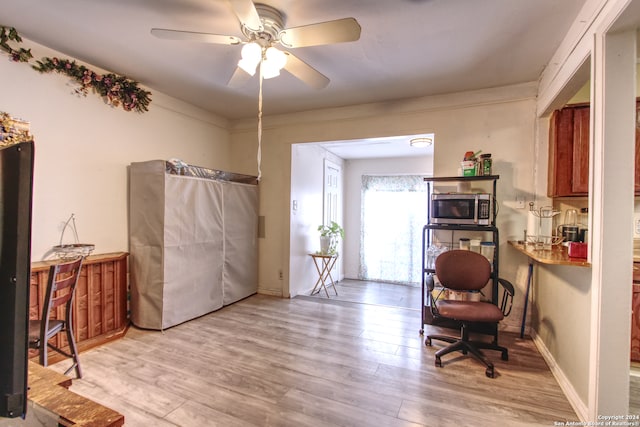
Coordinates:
x,y
408,48
377,148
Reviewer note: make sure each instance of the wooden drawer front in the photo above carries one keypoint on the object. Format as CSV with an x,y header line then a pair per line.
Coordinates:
x,y
100,304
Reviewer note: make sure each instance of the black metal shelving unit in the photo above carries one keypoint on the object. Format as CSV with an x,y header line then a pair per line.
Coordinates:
x,y
427,317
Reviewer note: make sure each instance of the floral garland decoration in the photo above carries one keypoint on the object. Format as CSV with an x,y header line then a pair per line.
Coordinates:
x,y
117,90
10,34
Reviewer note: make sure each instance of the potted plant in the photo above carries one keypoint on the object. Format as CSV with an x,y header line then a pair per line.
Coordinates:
x,y
329,237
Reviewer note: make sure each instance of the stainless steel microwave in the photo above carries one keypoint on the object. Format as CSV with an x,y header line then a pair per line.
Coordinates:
x,y
460,208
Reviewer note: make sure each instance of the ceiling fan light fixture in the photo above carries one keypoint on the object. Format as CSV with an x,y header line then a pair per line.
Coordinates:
x,y
251,56
248,66
277,56
421,142
274,61
268,70
263,27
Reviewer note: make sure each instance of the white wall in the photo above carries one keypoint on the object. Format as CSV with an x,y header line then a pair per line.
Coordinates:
x,y
307,173
83,147
354,170
560,300
560,316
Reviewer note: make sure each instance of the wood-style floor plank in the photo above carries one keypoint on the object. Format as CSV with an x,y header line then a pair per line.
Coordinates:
x,y
267,361
380,293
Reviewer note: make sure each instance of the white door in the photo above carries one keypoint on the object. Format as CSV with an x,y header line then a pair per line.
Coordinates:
x,y
331,207
331,192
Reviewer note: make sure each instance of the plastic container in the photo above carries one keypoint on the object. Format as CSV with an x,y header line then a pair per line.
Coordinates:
x,y
475,245
577,250
488,249
465,243
468,168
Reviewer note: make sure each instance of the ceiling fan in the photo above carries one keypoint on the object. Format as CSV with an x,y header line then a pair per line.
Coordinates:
x,y
263,29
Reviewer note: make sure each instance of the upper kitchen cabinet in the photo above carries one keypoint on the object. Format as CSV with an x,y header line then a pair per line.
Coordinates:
x,y
569,152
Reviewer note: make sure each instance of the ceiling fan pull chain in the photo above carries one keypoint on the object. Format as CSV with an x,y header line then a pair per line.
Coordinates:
x,y
260,124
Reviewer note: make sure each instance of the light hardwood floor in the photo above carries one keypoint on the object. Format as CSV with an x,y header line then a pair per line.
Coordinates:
x,y
267,361
380,293
634,394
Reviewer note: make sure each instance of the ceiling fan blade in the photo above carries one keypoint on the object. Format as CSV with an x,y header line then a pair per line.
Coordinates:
x,y
305,72
239,78
338,31
247,14
194,37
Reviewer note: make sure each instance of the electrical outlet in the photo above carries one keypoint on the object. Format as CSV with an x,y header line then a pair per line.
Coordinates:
x,y
280,275
519,202
636,226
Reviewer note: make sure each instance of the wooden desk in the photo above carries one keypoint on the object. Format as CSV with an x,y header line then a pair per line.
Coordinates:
x,y
49,390
558,255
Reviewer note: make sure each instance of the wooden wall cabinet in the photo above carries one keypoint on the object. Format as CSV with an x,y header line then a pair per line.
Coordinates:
x,y
569,152
99,306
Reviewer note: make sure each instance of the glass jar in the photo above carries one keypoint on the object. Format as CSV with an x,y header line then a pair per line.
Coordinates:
x,y
431,257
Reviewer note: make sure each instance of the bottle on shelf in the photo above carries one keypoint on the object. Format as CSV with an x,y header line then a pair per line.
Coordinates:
x,y
485,164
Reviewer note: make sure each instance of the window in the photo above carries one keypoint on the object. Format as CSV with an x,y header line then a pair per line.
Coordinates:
x,y
394,210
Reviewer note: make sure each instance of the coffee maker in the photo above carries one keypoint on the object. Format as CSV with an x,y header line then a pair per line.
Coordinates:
x,y
570,230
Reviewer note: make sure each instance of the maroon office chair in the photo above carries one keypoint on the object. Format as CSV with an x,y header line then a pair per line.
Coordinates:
x,y
461,270
61,286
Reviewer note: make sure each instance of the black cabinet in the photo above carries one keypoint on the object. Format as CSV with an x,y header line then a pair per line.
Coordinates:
x,y
490,231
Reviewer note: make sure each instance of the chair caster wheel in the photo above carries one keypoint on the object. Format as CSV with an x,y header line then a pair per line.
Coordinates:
x,y
438,362
505,355
427,342
489,372
421,331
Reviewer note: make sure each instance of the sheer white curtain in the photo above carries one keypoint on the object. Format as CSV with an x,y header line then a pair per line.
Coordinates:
x,y
394,210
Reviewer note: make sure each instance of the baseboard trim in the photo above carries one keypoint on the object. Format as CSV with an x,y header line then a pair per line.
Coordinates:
x,y
569,391
271,292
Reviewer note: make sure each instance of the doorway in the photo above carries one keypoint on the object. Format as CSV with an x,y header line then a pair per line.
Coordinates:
x,y
354,159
